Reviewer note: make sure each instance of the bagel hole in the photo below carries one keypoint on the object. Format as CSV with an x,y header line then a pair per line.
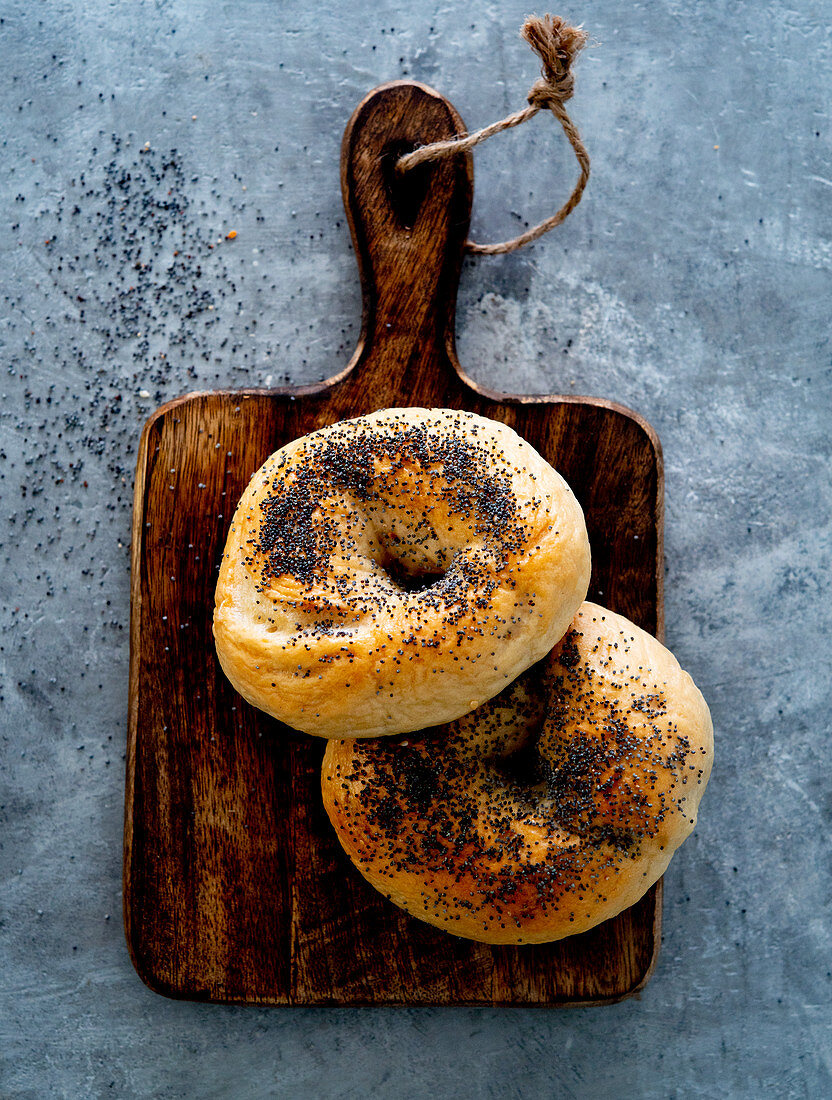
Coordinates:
x,y
405,190
409,580
523,767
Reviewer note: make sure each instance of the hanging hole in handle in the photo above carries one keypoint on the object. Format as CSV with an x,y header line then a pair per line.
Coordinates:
x,y
406,191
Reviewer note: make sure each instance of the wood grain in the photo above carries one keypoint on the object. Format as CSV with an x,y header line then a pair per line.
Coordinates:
x,y
235,887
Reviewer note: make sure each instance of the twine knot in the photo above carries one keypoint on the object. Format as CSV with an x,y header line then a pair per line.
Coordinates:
x,y
557,44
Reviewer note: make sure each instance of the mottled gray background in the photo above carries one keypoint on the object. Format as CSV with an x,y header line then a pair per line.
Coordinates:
x,y
692,284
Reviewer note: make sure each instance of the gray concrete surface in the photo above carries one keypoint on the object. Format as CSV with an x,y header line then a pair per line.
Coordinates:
x,y
693,284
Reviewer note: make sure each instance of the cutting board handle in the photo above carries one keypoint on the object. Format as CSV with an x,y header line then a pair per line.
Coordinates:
x,y
409,231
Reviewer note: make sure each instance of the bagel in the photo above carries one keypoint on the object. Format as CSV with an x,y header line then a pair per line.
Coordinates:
x,y
547,810
392,572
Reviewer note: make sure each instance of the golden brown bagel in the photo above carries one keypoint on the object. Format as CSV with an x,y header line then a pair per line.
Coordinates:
x,y
394,571
546,811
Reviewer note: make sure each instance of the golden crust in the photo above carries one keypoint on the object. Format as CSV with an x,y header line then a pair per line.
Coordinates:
x,y
319,617
548,810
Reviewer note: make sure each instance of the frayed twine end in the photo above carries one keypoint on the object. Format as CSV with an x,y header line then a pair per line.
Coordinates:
x,y
557,44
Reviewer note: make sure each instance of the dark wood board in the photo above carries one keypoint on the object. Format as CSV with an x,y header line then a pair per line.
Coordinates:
x,y
235,887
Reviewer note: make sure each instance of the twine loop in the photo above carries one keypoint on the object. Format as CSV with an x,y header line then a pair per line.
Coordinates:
x,y
557,44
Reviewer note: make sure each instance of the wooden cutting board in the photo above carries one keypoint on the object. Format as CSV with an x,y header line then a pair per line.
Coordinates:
x,y
235,887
